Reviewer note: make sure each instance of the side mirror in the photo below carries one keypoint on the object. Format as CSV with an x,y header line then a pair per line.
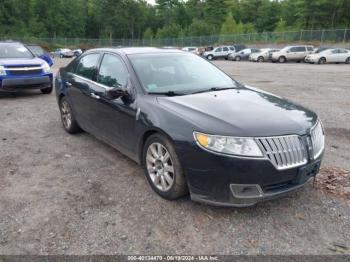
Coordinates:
x,y
116,92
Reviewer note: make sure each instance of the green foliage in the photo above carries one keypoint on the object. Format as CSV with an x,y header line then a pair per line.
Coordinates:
x,y
148,34
168,18
200,28
169,31
229,26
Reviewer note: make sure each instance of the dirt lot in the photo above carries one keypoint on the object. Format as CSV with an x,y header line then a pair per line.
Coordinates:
x,y
63,194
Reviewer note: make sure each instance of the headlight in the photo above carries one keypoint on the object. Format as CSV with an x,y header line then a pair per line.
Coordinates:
x,y
240,146
46,68
2,71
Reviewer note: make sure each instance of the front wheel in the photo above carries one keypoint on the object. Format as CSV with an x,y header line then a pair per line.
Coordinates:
x,y
347,61
210,57
238,58
322,60
260,59
163,169
282,59
68,119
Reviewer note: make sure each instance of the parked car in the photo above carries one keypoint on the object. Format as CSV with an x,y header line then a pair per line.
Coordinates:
x,y
238,47
243,54
38,51
21,70
218,52
337,55
320,49
191,49
262,56
292,53
62,53
77,52
192,127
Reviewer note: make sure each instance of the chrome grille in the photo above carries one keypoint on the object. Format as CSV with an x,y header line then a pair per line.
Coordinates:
x,y
284,151
317,139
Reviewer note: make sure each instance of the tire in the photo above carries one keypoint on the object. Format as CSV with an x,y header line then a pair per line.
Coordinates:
x,y
322,60
67,117
61,56
282,59
347,61
210,57
260,59
238,58
169,184
47,90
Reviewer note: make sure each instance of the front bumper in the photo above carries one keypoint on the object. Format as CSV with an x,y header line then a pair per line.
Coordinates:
x,y
12,84
240,182
311,60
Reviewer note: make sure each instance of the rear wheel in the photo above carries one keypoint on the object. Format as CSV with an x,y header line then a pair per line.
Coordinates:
x,y
282,59
47,90
238,58
68,119
163,169
347,61
322,60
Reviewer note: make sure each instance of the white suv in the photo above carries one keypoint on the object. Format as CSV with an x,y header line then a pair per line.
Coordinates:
x,y
219,52
292,53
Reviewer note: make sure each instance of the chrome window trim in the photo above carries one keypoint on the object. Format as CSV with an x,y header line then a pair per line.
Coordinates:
x,y
23,68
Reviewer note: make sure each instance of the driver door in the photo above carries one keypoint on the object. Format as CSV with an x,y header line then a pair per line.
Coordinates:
x,y
114,119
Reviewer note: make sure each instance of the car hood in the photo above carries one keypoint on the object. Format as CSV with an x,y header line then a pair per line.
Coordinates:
x,y
241,112
21,61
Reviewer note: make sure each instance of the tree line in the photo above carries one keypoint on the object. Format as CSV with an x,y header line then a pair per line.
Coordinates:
x,y
137,19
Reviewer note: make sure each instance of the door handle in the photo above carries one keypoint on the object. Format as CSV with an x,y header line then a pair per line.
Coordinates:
x,y
68,84
93,95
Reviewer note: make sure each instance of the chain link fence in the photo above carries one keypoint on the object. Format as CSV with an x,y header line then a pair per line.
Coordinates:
x,y
305,36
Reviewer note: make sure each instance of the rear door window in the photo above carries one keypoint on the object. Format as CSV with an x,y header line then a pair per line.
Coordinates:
x,y
300,49
87,66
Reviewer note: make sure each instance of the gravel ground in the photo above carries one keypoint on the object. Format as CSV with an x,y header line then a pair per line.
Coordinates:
x,y
63,194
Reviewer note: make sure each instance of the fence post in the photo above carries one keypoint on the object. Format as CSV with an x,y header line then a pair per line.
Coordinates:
x,y
301,35
322,35
344,39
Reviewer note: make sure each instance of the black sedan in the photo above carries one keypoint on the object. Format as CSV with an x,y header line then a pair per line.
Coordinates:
x,y
193,128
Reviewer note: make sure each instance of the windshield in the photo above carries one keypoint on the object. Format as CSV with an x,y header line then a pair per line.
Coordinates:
x,y
177,72
14,51
36,50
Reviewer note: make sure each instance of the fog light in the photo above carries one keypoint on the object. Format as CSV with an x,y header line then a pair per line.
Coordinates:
x,y
246,191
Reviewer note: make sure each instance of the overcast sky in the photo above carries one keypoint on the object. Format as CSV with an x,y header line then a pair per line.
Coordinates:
x,y
151,1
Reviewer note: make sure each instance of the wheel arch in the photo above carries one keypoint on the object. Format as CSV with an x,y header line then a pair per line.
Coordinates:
x,y
145,136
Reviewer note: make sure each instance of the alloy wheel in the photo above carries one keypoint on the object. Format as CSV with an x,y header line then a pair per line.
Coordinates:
x,y
160,167
66,114
347,60
322,60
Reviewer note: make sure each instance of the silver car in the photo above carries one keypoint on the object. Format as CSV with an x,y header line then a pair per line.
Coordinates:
x,y
263,56
292,53
62,53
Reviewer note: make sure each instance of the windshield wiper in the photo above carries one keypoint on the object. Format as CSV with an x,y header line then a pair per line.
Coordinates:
x,y
168,93
213,89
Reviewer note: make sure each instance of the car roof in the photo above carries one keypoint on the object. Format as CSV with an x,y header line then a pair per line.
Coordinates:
x,y
136,50
11,42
